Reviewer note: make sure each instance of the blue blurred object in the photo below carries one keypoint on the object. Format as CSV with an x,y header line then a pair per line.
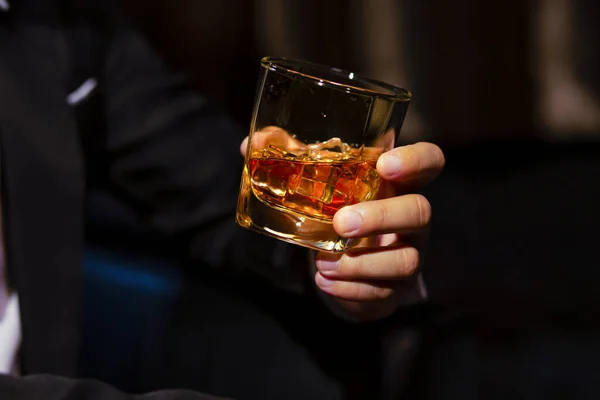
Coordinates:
x,y
128,301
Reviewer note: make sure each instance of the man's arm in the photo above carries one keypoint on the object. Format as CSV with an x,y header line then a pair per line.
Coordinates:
x,y
45,387
176,160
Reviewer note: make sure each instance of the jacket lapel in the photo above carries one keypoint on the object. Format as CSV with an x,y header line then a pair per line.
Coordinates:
x,y
42,193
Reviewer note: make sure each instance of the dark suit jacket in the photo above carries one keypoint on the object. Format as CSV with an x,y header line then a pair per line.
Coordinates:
x,y
157,144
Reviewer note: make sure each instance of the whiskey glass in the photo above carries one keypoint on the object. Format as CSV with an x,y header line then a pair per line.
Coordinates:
x,y
315,137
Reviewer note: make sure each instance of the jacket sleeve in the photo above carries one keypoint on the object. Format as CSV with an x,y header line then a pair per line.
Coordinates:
x,y
176,160
46,387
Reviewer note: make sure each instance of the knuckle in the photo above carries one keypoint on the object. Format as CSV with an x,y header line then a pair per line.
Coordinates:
x,y
350,265
353,291
423,210
383,216
408,260
433,153
411,156
356,266
379,293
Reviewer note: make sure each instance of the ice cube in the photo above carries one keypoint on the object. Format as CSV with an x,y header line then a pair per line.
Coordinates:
x,y
272,176
367,183
315,181
344,188
277,186
367,174
332,150
352,153
278,176
275,152
260,178
333,144
303,204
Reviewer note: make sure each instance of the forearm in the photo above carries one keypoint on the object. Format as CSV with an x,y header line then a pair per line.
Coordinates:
x,y
176,160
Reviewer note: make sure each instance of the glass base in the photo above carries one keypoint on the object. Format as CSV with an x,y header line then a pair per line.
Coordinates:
x,y
287,225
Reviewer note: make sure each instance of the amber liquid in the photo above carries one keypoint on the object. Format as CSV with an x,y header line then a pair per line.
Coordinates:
x,y
294,197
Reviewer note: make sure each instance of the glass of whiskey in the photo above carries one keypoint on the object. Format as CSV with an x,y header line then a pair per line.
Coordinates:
x,y
315,137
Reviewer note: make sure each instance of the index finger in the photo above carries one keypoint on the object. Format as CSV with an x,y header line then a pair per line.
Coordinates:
x,y
408,213
415,164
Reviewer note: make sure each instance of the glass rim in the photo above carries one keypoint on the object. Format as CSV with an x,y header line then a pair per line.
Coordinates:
x,y
388,91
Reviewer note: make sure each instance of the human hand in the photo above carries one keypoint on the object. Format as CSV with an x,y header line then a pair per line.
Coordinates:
x,y
379,273
372,279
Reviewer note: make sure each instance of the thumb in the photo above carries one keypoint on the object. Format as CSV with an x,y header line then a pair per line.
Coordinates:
x,y
244,147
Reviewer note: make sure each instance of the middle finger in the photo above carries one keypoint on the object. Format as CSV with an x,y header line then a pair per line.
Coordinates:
x,y
396,214
385,263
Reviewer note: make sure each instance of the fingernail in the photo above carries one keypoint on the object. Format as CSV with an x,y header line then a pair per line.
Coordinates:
x,y
350,220
390,164
323,282
326,265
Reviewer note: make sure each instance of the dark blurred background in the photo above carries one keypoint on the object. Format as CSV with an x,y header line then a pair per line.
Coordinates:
x,y
511,92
